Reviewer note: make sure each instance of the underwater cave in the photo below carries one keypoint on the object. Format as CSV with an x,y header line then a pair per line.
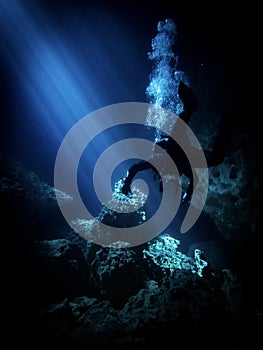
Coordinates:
x,y
70,282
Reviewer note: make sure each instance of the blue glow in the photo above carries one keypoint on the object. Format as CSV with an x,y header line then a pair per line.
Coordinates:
x,y
64,66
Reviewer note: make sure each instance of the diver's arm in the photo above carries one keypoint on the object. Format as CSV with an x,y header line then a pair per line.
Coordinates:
x,y
134,169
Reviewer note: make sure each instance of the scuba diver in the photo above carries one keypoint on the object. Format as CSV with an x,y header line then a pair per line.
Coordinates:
x,y
177,154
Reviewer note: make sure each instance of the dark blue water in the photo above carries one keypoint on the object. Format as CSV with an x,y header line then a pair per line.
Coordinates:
x,y
61,60
59,63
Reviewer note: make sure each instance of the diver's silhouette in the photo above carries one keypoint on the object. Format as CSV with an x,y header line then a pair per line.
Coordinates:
x,y
177,154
